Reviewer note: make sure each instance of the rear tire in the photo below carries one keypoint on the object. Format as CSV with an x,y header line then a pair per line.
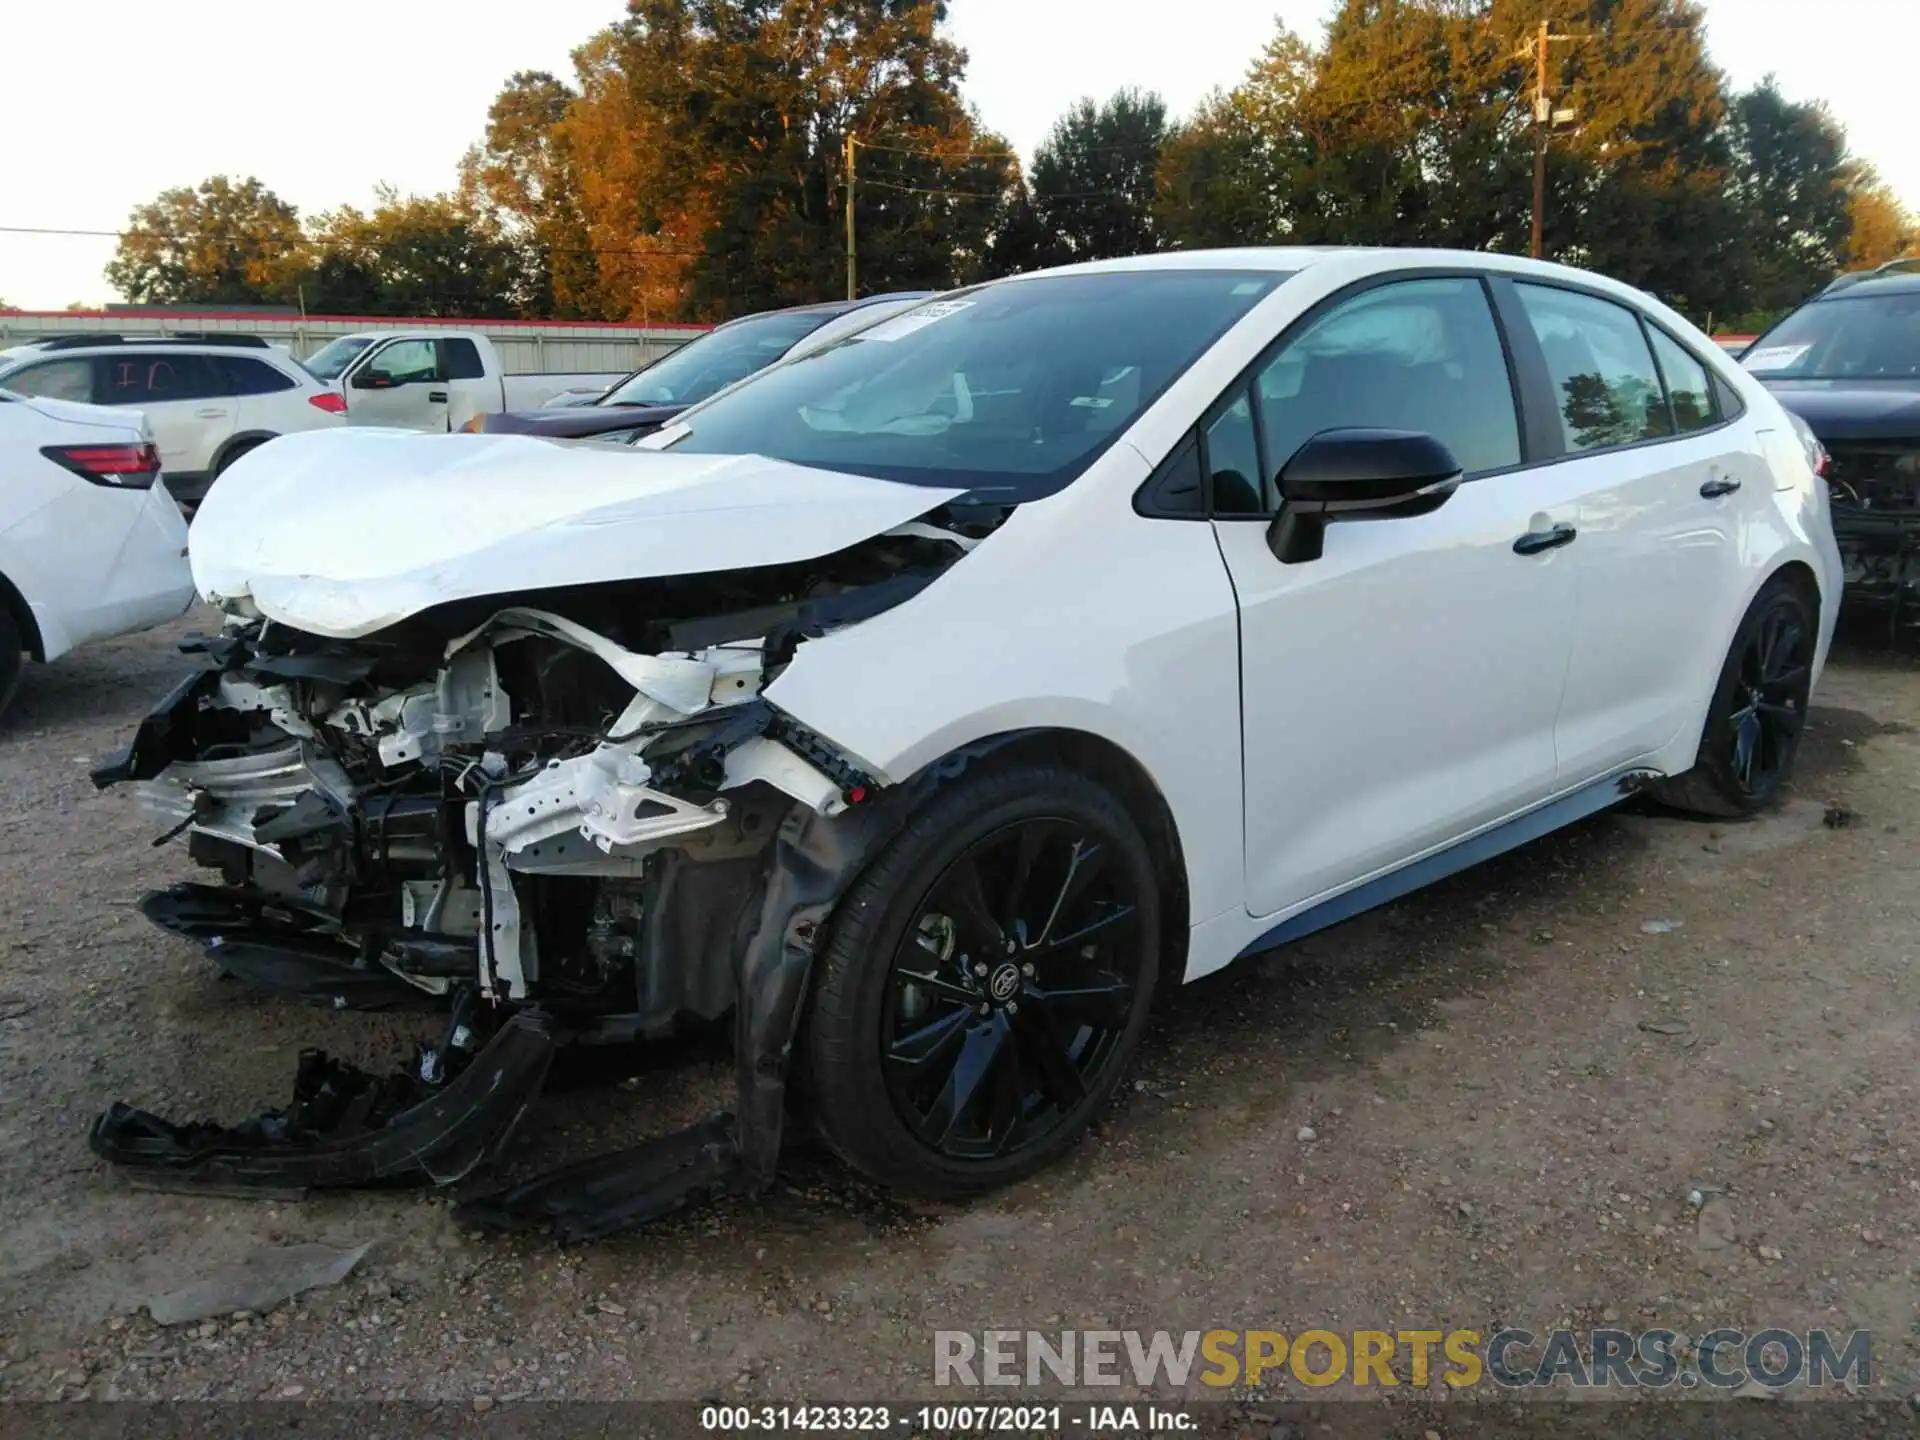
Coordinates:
x,y
13,658
986,983
1758,711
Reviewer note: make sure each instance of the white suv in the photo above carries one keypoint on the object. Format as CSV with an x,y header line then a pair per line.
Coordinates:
x,y
209,398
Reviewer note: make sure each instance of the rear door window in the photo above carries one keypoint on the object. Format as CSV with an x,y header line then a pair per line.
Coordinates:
x,y
1604,380
157,377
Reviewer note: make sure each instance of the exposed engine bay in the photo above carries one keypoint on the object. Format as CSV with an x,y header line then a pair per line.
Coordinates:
x,y
564,816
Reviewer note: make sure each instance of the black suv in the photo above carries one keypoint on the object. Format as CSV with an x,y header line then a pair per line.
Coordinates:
x,y
1848,363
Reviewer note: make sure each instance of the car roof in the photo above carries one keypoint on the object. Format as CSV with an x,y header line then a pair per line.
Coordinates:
x,y
828,309
60,344
1894,284
1294,258
1358,261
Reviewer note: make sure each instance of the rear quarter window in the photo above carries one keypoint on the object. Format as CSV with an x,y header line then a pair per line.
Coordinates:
x,y
245,376
53,380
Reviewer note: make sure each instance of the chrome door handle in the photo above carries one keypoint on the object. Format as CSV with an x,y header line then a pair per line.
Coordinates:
x,y
1535,541
1716,487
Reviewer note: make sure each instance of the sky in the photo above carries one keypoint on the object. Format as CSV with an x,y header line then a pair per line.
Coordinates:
x,y
111,101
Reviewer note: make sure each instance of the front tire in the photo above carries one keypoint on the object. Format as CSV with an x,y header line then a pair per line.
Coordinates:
x,y
986,983
1759,708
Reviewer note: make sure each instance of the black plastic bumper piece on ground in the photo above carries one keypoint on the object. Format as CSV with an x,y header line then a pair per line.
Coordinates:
x,y
609,1193
345,1127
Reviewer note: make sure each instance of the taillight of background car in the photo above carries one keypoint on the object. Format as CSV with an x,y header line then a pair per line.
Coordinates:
x,y
1818,460
330,401
130,467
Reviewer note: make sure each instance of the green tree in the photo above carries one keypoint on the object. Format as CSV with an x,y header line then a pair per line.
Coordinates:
x,y
742,108
524,177
1093,176
1410,123
1021,240
1223,179
1789,181
1879,227
221,241
415,255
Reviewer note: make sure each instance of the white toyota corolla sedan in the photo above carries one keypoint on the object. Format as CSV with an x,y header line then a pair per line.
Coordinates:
x,y
928,702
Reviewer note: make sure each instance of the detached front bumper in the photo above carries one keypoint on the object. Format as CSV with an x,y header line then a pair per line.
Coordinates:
x,y
345,1127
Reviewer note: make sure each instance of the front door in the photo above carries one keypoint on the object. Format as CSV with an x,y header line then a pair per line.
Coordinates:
x,y
401,385
1400,691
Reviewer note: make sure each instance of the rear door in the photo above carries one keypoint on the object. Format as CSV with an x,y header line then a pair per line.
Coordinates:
x,y
399,383
1400,691
1664,485
185,396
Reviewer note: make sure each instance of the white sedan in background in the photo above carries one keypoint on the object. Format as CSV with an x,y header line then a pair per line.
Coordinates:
x,y
91,543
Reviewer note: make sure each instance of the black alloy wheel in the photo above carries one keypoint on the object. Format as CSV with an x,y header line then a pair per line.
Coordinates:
x,y
1758,711
986,982
1776,670
1011,990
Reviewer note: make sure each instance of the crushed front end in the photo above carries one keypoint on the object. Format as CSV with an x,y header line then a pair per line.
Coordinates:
x,y
562,817
1875,491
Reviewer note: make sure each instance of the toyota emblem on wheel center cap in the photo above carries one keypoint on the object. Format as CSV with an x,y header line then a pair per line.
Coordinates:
x,y
1005,982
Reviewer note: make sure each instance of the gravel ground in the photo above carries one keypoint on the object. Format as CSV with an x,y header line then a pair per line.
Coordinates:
x,y
1510,1084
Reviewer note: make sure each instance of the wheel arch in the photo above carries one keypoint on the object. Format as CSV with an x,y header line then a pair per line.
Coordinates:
x,y
1681,753
231,447
1107,763
1801,576
17,609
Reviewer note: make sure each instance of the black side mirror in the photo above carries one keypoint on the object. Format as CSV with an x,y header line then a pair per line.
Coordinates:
x,y
1357,475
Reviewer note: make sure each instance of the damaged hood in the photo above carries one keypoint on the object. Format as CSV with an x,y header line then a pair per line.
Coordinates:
x,y
345,532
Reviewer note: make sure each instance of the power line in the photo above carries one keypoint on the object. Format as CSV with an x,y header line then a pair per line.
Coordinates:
x,y
320,243
1008,154
993,194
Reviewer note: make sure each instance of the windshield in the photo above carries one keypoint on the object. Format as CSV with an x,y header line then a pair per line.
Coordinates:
x,y
1850,337
331,359
718,358
1014,387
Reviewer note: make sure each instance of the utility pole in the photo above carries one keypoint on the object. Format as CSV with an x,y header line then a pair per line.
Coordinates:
x,y
1545,117
850,280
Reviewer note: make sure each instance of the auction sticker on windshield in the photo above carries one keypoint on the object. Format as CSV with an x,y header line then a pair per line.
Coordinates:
x,y
913,320
1774,357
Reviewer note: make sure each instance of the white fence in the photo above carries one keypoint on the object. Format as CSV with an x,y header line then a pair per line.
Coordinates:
x,y
525,346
